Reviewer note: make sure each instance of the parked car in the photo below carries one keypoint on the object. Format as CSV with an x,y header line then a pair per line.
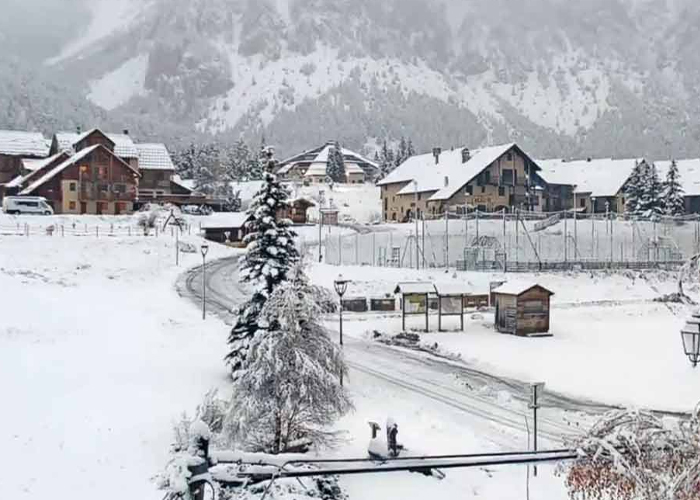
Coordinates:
x,y
28,205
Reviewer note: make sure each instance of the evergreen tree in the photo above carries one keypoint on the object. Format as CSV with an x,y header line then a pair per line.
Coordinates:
x,y
674,201
336,165
387,160
290,390
633,191
271,251
271,254
650,202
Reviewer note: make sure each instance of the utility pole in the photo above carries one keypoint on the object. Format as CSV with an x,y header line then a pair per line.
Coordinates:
x,y
447,239
415,215
534,406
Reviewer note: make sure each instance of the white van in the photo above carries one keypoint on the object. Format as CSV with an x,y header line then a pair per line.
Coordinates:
x,y
29,205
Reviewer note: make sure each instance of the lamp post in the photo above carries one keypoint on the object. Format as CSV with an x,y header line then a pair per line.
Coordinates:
x,y
341,286
691,339
204,250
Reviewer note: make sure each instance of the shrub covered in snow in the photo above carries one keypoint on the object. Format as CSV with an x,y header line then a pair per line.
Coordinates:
x,y
635,455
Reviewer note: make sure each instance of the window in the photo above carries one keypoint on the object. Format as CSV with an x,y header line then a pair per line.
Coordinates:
x,y
501,191
487,177
507,177
483,189
582,203
469,189
533,307
71,205
509,156
420,196
73,186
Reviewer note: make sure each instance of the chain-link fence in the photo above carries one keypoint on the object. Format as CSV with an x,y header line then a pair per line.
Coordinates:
x,y
514,242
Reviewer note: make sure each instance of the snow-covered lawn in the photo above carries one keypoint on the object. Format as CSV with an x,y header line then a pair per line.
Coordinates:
x,y
98,355
610,342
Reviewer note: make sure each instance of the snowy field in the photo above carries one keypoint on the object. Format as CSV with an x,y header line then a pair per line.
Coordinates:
x,y
611,343
99,356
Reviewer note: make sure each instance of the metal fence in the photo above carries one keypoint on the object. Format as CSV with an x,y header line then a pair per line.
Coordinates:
x,y
514,242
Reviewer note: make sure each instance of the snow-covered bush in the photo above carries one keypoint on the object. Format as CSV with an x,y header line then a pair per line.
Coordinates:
x,y
289,389
636,455
147,221
320,488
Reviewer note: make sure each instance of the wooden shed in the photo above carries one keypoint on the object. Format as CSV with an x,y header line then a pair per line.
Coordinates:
x,y
229,228
296,210
522,308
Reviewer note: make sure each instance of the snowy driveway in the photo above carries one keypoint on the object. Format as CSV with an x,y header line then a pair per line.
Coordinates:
x,y
497,407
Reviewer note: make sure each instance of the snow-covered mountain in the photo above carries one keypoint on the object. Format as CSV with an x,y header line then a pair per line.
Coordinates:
x,y
599,77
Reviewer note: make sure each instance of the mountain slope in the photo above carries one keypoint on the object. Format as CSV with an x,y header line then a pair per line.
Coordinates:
x,y
601,77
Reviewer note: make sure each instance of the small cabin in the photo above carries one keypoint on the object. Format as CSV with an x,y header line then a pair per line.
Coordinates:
x,y
329,216
227,228
522,308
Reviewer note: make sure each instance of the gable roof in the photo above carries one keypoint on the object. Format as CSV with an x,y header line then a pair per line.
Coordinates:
x,y
603,177
39,165
689,172
67,163
20,143
430,176
319,155
33,165
226,220
154,157
124,146
518,288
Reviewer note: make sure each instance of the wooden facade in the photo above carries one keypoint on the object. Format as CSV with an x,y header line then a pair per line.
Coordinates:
x,y
93,182
522,311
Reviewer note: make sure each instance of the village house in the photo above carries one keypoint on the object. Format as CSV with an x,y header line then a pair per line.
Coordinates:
x,y
489,180
92,180
123,145
591,185
310,166
159,182
15,147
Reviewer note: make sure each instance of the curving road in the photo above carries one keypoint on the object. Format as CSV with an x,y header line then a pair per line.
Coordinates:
x,y
486,401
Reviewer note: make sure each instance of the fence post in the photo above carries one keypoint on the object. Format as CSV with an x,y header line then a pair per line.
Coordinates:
x,y
63,231
129,228
357,249
97,231
26,229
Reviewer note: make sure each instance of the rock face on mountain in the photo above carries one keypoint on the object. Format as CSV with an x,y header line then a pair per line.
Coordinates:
x,y
593,78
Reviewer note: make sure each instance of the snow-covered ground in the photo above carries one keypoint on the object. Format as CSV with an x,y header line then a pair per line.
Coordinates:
x,y
99,355
611,343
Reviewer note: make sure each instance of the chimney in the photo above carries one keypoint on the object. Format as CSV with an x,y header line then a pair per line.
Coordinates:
x,y
79,129
436,153
447,181
126,131
466,155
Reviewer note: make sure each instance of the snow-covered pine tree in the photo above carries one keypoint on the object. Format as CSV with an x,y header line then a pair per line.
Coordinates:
x,y
271,255
673,199
650,203
387,160
633,191
290,390
271,250
336,165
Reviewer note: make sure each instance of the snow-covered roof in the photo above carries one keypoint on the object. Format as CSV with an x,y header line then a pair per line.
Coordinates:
x,y
452,289
188,185
124,146
517,287
154,157
601,177
430,176
226,220
415,288
318,159
19,143
16,182
63,165
59,168
247,189
34,165
689,174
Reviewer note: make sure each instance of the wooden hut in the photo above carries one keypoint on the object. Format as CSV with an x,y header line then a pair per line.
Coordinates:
x,y
226,228
522,308
296,210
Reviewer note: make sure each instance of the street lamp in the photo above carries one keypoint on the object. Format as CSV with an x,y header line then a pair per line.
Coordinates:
x,y
341,286
205,251
691,338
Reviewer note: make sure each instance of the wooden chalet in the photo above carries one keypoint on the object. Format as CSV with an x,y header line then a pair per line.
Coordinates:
x,y
522,308
297,210
93,180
